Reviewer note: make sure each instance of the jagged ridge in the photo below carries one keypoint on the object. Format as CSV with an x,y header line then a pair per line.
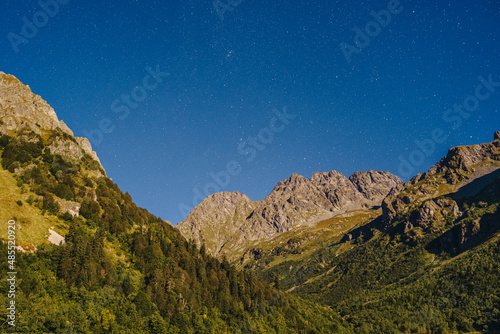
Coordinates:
x,y
227,220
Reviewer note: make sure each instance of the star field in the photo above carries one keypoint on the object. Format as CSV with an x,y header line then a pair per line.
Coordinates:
x,y
229,75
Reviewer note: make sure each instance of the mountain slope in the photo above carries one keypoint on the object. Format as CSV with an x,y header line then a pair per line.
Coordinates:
x,y
217,217
428,264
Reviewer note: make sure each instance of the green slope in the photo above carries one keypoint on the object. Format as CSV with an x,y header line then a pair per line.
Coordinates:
x,y
431,268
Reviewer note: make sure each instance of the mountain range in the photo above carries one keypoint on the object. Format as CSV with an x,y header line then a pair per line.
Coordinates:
x,y
226,223
367,253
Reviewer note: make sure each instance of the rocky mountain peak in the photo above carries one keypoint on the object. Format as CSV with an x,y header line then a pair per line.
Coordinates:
x,y
293,202
337,188
294,182
323,178
374,184
464,171
465,157
216,219
23,111
21,108
219,204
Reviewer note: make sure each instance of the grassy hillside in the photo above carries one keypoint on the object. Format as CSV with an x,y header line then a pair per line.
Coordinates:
x,y
300,243
32,225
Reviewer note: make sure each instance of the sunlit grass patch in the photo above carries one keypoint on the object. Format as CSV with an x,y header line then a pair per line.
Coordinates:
x,y
32,226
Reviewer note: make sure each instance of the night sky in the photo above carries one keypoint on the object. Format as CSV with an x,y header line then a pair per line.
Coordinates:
x,y
175,94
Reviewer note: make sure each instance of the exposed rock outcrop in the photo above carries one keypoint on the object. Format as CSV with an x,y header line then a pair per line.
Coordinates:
x,y
460,166
440,209
71,207
23,111
292,202
339,190
473,226
463,158
216,219
373,185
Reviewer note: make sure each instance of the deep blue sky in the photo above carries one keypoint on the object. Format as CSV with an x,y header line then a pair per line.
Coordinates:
x,y
226,77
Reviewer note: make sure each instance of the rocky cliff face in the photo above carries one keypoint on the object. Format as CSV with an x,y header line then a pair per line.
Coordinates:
x,y
464,158
294,202
374,185
338,189
458,197
22,110
216,219
461,173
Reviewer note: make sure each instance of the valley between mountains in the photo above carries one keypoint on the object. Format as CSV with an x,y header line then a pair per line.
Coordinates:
x,y
367,253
